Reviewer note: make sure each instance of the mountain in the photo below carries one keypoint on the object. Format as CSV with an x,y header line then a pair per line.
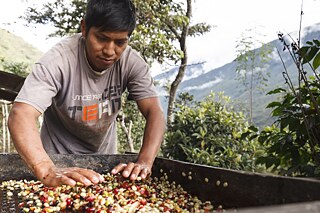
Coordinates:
x,y
15,49
224,79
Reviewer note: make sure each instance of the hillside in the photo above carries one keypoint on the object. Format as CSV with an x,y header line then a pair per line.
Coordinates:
x,y
200,83
15,49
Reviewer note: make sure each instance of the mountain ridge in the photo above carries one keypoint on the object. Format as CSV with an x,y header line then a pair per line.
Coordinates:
x,y
197,81
224,79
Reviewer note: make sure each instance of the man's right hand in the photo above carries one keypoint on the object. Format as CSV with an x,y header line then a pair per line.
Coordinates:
x,y
52,176
23,127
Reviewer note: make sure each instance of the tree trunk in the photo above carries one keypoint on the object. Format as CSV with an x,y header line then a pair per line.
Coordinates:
x,y
183,64
251,96
127,131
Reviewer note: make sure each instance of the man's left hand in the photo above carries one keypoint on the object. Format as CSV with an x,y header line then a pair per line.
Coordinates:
x,y
133,170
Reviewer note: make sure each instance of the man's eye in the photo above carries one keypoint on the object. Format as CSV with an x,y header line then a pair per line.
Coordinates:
x,y
121,42
101,38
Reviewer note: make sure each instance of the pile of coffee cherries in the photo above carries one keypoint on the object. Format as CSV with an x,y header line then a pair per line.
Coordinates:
x,y
115,194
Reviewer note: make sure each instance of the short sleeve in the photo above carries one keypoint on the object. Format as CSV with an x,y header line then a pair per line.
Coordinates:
x,y
140,83
39,88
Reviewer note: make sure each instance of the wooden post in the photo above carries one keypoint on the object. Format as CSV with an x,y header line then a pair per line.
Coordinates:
x,y
6,106
6,137
3,128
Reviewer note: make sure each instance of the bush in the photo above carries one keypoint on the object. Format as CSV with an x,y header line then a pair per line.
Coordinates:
x,y
292,144
209,132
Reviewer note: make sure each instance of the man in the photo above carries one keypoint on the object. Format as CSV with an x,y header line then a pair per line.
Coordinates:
x,y
77,85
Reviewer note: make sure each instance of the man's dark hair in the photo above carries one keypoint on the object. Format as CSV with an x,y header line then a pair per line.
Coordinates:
x,y
111,15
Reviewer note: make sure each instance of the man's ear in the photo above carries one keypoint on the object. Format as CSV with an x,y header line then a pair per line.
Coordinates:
x,y
83,28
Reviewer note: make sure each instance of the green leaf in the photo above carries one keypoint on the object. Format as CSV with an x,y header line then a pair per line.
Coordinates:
x,y
273,104
317,42
303,51
277,112
316,61
270,161
312,51
244,135
253,128
276,91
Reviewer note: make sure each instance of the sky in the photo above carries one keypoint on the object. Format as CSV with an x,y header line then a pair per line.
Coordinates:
x,y
230,18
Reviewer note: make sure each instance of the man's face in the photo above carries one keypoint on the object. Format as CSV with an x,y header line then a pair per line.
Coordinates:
x,y
103,49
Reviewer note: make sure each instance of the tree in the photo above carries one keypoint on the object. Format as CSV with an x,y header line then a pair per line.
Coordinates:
x,y
251,65
177,26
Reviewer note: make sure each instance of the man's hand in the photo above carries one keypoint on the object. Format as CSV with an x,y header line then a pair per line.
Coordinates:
x,y
53,176
133,170
153,137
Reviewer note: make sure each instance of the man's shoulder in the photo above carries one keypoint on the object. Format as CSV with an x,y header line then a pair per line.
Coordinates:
x,y
64,49
132,56
131,52
70,41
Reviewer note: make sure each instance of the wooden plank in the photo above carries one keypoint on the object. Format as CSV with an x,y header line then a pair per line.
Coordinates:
x,y
239,189
7,95
11,81
243,189
310,207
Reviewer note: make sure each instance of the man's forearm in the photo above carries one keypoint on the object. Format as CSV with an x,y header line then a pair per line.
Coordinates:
x,y
26,138
153,137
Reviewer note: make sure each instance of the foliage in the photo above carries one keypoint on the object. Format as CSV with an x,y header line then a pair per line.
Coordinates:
x,y
311,52
18,68
65,16
211,133
251,63
293,146
160,26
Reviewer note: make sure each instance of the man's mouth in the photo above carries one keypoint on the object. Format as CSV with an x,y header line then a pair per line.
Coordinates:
x,y
106,60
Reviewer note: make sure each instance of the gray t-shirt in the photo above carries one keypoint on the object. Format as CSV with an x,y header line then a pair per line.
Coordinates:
x,y
80,106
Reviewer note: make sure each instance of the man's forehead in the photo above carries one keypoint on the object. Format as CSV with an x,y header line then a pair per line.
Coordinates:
x,y
114,34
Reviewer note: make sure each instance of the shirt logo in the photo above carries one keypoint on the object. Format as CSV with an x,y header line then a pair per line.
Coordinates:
x,y
96,105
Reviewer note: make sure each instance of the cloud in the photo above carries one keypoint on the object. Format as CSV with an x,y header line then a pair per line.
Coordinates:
x,y
203,86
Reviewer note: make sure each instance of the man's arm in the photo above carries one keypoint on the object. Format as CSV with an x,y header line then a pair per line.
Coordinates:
x,y
152,139
22,124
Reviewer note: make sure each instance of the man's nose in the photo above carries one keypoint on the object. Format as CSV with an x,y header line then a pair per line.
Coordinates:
x,y
109,49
